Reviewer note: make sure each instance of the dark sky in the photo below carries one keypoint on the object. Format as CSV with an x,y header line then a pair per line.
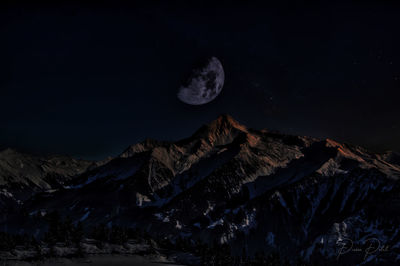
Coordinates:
x,y
89,80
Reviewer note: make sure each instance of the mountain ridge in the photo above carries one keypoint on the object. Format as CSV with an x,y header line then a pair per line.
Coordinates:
x,y
253,189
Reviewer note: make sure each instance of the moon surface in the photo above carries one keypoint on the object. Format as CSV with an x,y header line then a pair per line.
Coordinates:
x,y
204,84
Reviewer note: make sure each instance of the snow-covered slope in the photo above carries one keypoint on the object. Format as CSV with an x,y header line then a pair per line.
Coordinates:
x,y
22,175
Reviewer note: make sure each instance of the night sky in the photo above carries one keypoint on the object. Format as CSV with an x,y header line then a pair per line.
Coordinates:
x,y
89,80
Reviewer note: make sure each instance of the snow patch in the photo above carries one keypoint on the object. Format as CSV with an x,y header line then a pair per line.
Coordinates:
x,y
159,216
6,193
214,224
210,208
178,225
270,239
85,216
141,199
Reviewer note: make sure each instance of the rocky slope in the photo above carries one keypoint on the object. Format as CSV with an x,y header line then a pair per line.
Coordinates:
x,y
22,175
253,189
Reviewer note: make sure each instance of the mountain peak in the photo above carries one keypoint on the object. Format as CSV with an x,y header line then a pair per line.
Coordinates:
x,y
226,120
222,130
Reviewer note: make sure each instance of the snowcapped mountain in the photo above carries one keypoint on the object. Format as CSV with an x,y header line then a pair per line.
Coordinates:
x,y
22,175
252,189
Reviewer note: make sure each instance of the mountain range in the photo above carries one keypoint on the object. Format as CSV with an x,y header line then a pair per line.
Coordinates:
x,y
255,190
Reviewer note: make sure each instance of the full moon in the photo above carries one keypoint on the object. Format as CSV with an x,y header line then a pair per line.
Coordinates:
x,y
204,84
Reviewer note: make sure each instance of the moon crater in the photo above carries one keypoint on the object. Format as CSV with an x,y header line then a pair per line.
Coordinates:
x,y
204,84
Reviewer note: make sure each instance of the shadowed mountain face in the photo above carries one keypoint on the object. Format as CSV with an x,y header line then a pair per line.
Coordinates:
x,y
253,189
22,175
38,172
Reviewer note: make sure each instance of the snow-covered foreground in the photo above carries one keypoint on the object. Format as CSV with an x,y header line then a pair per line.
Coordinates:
x,y
100,260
